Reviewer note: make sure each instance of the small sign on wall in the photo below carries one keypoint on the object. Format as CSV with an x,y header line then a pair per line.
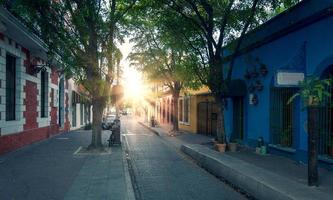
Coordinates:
x,y
284,78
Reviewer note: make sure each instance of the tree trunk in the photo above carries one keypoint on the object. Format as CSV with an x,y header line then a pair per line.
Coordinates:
x,y
312,146
96,138
175,97
220,136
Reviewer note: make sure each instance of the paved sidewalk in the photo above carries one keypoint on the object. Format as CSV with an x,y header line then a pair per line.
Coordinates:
x,y
268,172
51,170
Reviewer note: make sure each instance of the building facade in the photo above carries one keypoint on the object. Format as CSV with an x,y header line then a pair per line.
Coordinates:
x,y
35,99
273,59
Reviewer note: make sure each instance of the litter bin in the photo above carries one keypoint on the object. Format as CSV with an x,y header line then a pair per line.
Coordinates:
x,y
115,135
152,121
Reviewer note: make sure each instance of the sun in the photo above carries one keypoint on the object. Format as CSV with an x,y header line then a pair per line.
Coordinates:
x,y
134,87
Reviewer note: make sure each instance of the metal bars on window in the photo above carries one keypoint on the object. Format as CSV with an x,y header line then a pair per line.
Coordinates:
x,y
10,87
44,94
326,125
281,116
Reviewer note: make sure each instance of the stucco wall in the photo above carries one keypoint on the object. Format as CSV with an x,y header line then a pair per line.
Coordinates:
x,y
317,55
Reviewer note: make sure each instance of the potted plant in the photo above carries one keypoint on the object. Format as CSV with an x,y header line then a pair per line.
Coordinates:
x,y
233,145
259,86
247,75
285,137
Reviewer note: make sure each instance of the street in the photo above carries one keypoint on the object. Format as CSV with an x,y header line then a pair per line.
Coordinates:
x,y
161,172
51,170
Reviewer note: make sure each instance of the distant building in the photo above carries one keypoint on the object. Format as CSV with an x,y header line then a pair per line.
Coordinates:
x,y
36,101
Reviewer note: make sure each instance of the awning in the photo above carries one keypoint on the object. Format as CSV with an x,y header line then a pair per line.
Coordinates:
x,y
236,88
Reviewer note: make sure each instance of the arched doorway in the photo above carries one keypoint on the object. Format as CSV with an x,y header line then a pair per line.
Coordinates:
x,y
325,119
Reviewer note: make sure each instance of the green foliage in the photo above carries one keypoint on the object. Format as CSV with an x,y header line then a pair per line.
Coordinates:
x,y
88,127
313,91
158,54
83,33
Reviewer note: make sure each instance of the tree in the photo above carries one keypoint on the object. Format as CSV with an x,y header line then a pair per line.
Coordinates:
x,y
213,31
313,92
158,55
85,34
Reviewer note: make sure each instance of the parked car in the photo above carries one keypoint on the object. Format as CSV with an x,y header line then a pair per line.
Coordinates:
x,y
108,121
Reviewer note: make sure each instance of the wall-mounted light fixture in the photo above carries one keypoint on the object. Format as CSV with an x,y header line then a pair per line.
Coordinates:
x,y
35,69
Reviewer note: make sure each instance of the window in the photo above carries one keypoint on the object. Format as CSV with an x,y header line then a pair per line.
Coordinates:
x,y
186,109
10,87
74,115
81,113
281,116
180,109
43,94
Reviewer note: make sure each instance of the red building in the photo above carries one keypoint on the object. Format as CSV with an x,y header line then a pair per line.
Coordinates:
x,y
36,102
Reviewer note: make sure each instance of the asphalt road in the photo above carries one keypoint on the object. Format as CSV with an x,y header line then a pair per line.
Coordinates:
x,y
162,172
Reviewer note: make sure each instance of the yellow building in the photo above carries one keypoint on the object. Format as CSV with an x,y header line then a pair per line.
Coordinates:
x,y
197,112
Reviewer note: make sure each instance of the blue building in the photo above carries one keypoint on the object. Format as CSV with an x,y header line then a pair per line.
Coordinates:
x,y
273,58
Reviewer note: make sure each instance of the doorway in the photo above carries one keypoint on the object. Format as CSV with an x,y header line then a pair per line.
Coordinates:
x,y
238,118
207,118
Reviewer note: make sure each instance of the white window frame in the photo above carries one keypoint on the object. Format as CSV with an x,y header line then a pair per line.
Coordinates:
x,y
182,120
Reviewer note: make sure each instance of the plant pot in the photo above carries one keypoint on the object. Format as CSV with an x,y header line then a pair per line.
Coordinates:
x,y
263,150
258,150
220,147
232,146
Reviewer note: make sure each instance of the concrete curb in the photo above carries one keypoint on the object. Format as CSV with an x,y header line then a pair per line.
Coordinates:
x,y
149,128
259,182
129,186
132,188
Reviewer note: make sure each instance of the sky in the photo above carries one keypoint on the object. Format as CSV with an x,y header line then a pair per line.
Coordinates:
x,y
131,78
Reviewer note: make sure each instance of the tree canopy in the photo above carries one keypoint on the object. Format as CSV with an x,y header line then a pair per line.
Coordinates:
x,y
212,32
86,34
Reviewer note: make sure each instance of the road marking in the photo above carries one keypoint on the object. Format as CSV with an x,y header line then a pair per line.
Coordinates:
x,y
138,134
77,151
62,138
